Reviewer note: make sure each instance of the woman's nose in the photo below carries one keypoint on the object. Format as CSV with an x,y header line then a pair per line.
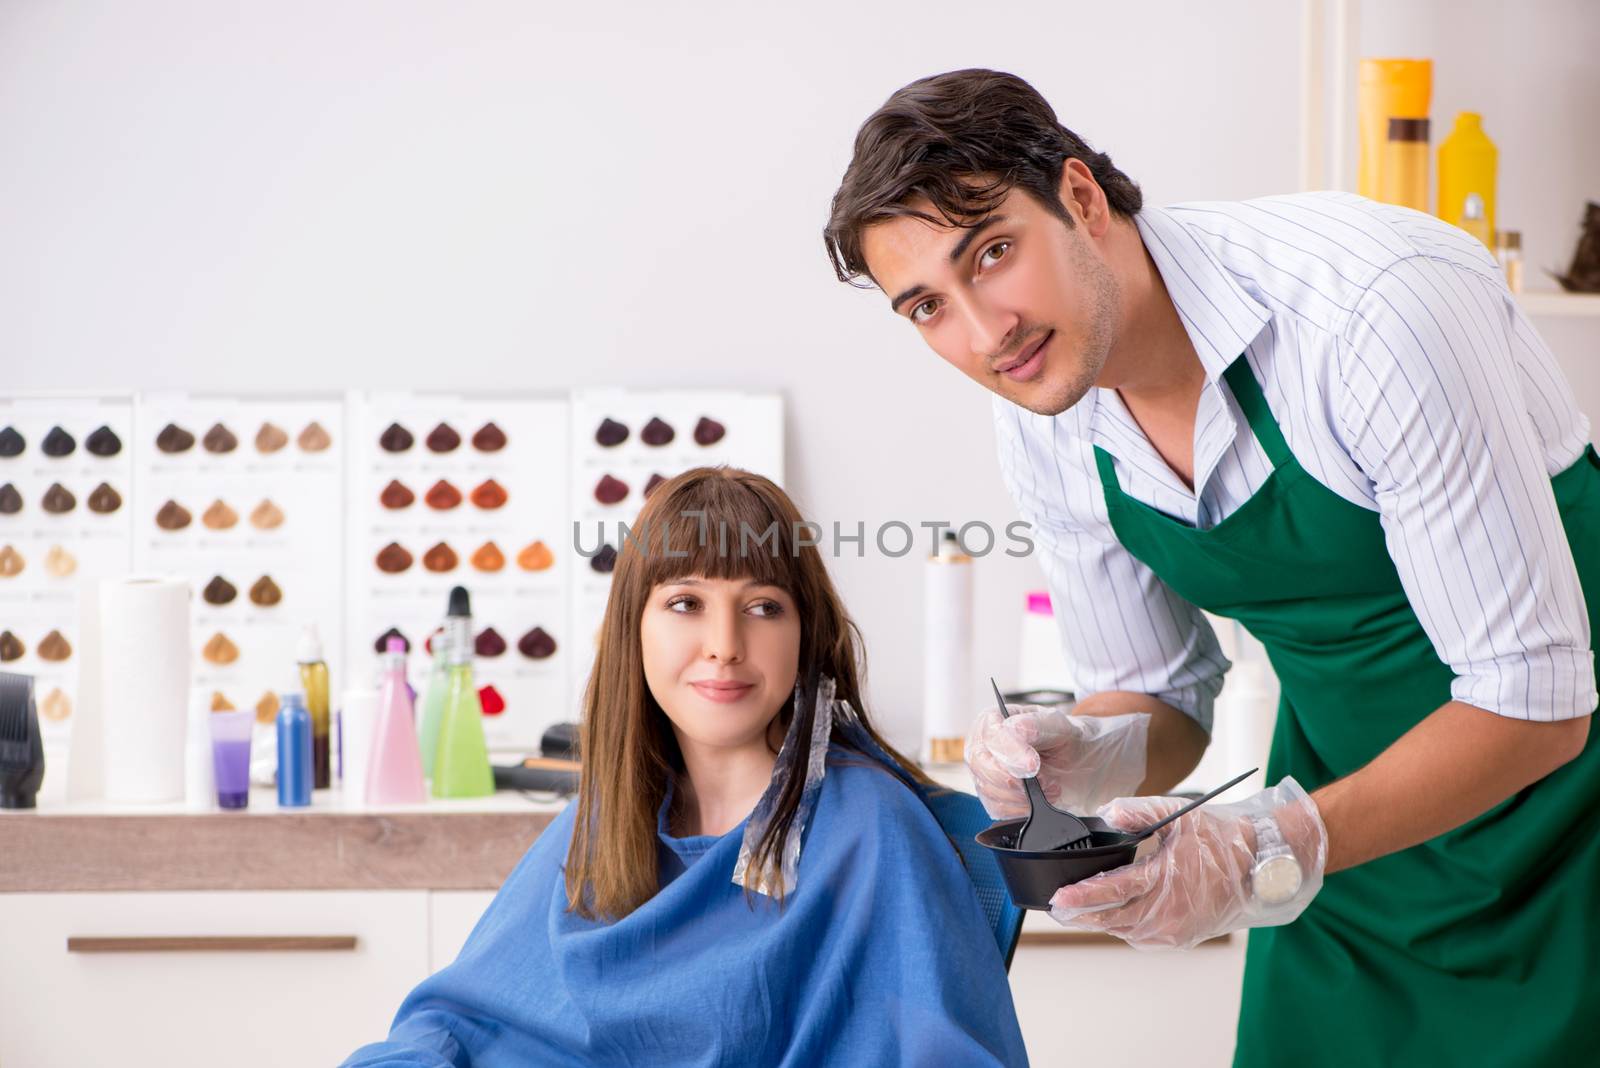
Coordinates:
x,y
724,640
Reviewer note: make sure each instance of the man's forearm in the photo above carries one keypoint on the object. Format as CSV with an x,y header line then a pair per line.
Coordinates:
x,y
1175,743
1456,764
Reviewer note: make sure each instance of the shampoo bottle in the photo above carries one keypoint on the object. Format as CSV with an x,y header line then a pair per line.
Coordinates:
x,y
314,681
462,768
394,769
433,702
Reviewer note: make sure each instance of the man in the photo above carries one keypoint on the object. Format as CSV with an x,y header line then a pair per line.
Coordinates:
x,y
1325,418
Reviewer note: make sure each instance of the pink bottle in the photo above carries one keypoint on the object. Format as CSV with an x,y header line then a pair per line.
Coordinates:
x,y
394,776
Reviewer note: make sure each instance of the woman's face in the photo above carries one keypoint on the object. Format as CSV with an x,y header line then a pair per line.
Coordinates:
x,y
720,657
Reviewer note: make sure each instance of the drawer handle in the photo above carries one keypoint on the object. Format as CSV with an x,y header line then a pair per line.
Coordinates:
x,y
208,943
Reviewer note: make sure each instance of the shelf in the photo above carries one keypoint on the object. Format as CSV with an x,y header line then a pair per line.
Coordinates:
x,y
1554,303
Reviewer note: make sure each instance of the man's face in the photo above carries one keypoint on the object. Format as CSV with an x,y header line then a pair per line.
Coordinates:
x,y
1020,304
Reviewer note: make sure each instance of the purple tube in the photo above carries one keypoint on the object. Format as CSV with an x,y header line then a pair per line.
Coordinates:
x,y
230,756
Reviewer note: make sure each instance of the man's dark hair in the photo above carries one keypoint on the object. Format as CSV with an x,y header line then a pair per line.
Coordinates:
x,y
962,140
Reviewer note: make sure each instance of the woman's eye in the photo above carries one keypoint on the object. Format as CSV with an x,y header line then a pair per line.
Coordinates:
x,y
994,253
767,609
922,312
681,604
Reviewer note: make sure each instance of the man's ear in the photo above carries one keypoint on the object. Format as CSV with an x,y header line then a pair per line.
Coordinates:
x,y
1083,198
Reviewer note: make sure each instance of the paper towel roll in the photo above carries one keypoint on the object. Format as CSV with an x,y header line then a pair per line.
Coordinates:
x,y
144,675
358,718
947,674
86,775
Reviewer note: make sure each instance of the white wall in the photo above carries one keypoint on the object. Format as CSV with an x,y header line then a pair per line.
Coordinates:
x,y
497,194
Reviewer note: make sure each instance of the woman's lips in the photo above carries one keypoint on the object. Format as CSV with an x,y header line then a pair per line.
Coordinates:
x,y
722,692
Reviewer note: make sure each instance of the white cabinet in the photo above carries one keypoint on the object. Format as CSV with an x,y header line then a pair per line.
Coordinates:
x,y
204,978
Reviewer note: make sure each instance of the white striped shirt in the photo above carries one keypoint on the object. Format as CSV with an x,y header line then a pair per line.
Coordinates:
x,y
1404,378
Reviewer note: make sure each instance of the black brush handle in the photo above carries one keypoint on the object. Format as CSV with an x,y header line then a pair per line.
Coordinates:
x,y
1031,783
1192,805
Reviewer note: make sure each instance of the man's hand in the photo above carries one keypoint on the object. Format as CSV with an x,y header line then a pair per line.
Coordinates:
x,y
1081,761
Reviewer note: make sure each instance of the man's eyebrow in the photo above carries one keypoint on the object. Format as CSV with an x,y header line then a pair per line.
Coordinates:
x,y
956,253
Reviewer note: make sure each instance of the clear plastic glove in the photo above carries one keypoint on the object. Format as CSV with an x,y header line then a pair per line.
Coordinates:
x,y
1198,883
1081,761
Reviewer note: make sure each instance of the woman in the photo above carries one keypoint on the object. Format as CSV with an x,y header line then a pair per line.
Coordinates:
x,y
749,875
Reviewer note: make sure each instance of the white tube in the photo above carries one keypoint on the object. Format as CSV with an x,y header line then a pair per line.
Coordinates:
x,y
144,641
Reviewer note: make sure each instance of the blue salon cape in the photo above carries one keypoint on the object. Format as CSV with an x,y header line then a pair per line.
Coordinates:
x,y
881,956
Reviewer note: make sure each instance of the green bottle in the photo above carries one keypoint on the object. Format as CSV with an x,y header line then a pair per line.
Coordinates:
x,y
461,768
433,701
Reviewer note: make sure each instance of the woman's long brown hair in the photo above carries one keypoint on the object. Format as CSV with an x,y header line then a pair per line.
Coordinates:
x,y
705,522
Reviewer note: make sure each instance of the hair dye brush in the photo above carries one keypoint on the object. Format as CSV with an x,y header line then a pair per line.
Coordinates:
x,y
21,751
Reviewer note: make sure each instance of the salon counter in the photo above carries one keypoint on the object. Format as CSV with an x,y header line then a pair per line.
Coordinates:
x,y
469,844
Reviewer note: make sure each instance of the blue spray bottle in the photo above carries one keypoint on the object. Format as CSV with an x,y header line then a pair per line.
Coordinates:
x,y
295,767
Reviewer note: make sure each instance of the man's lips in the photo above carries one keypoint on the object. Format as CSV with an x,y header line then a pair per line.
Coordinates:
x,y
1025,355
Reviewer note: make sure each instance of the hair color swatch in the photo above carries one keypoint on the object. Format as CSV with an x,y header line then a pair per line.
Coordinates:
x,y
219,516
102,442
610,433
314,438
264,593
173,516
220,649
54,647
219,591
489,438
489,643
59,563
266,516
395,439
442,496
11,647
537,644
650,486
174,439
488,557
396,495
440,558
708,431
56,706
220,702
271,438
58,443
443,438
657,432
536,556
58,500
11,562
489,495
219,439
393,559
10,500
610,490
605,561
103,500
267,707
11,443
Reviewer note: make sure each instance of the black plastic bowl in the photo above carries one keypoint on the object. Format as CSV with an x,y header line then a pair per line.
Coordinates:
x,y
1033,877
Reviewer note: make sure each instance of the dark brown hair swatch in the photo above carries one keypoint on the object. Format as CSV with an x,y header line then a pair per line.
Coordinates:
x,y
219,591
104,500
440,558
173,438
264,592
11,443
443,438
650,487
103,442
610,490
54,646
395,439
396,495
11,562
382,644
314,438
604,561
219,439
271,437
489,438
11,647
657,432
442,496
58,443
173,516
10,500
611,433
489,494
488,557
489,643
393,558
708,431
536,644
58,500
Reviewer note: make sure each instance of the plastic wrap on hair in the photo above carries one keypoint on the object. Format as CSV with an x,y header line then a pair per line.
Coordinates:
x,y
806,756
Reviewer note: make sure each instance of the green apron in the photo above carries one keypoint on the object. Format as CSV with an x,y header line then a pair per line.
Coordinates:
x,y
1478,947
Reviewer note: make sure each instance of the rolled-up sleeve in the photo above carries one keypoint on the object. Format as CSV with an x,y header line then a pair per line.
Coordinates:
x,y
1122,627
1433,411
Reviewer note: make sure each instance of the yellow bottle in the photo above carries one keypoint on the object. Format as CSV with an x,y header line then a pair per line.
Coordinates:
x,y
1404,178
1388,89
1467,162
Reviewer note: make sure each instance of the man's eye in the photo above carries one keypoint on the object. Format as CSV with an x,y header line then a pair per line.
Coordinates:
x,y
922,312
994,253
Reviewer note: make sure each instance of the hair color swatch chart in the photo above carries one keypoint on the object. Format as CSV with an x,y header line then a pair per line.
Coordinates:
x,y
244,498
625,443
65,483
460,490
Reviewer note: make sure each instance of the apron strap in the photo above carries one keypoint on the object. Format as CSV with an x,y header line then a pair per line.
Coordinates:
x,y
1247,391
